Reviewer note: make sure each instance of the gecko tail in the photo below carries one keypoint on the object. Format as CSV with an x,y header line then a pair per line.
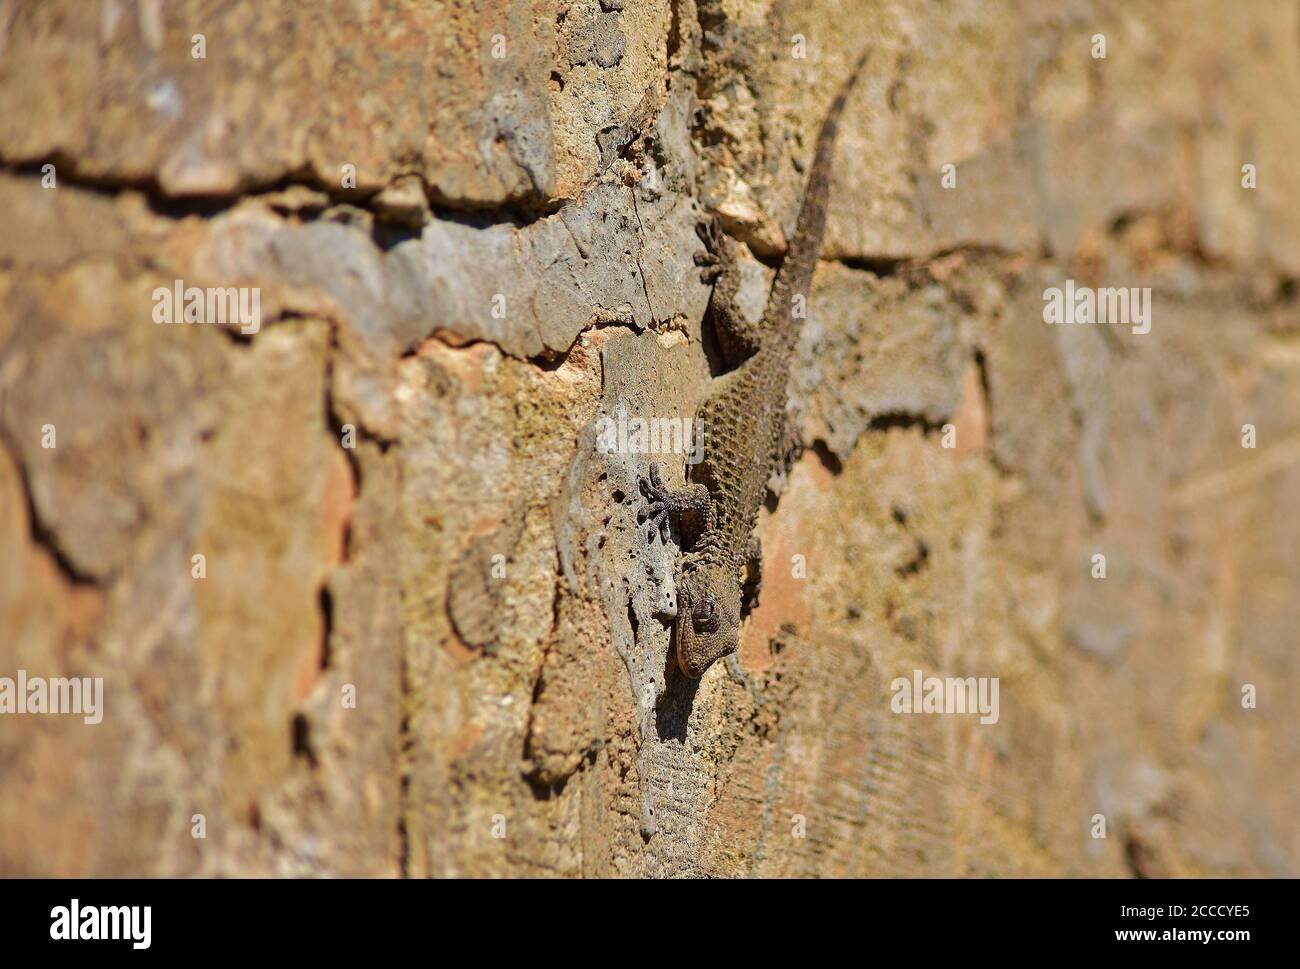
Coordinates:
x,y
830,127
795,275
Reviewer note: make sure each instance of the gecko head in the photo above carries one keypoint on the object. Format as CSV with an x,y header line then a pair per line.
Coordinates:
x,y
708,618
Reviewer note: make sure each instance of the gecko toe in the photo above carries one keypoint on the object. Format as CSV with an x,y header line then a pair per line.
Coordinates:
x,y
710,267
649,492
656,520
710,232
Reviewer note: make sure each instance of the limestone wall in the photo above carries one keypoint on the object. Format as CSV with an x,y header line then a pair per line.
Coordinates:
x,y
366,597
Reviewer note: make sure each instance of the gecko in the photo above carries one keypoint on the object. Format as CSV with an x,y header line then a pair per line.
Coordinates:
x,y
745,422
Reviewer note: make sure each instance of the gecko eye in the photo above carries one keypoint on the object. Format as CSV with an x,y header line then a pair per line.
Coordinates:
x,y
704,615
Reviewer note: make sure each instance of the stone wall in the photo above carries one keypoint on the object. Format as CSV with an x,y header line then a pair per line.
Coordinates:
x,y
367,597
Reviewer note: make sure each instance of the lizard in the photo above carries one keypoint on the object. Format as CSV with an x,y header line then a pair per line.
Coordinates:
x,y
744,417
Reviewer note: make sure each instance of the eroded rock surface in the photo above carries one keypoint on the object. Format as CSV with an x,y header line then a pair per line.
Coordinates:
x,y
369,596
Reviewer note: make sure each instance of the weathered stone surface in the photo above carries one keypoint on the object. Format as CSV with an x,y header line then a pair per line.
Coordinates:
x,y
151,111
429,634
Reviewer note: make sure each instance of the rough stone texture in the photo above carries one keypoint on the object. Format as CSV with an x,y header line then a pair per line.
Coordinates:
x,y
397,485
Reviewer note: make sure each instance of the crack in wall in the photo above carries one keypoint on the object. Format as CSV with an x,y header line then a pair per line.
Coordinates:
x,y
39,532
173,206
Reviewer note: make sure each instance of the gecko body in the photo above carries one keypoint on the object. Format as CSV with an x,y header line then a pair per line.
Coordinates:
x,y
745,422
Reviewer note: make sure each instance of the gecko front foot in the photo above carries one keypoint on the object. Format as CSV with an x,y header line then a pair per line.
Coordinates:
x,y
712,259
661,501
655,515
